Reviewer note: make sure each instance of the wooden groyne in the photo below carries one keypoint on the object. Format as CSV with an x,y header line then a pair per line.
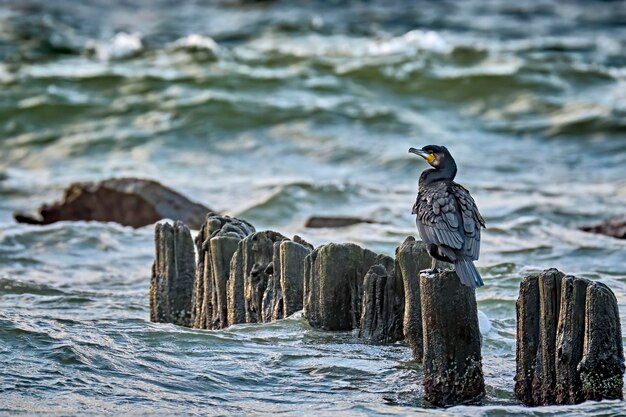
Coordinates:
x,y
569,342
242,275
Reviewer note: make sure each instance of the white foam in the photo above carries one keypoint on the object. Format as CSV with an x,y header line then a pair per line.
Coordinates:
x,y
195,41
122,45
426,40
410,43
483,323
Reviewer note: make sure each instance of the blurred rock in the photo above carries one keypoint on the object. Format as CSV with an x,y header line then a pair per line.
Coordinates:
x,y
613,227
128,201
334,221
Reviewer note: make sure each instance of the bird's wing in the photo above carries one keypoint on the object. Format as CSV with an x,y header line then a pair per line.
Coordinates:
x,y
438,217
471,219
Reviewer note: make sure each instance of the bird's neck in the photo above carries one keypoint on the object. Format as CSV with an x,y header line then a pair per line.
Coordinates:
x,y
447,172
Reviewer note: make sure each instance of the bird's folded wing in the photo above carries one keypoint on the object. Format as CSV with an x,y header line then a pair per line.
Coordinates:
x,y
438,218
471,218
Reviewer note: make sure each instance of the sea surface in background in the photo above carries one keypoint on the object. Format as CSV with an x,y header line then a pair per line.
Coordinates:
x,y
274,111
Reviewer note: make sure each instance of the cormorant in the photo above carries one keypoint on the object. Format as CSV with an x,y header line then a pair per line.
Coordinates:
x,y
447,220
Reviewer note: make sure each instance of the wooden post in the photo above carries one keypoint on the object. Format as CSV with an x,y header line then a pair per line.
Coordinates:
x,y
216,243
222,250
452,359
173,272
549,307
383,303
234,292
569,347
412,257
527,307
602,364
291,272
334,285
273,296
569,340
250,272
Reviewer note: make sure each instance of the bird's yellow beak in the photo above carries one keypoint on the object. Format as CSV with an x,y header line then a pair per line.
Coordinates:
x,y
430,157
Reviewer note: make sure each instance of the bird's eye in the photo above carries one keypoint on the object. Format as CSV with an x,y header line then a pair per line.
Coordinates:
x,y
430,152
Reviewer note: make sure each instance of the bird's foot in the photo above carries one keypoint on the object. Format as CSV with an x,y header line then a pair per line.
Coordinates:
x,y
430,271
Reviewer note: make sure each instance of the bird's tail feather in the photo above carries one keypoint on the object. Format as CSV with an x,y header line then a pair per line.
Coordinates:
x,y
467,273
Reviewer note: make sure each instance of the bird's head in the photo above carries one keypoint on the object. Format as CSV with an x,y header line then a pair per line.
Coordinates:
x,y
437,156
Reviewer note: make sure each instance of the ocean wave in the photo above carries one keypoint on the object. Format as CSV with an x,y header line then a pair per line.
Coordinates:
x,y
315,75
18,287
121,45
337,46
202,47
287,201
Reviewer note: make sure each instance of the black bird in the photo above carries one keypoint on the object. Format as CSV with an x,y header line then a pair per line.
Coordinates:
x,y
447,220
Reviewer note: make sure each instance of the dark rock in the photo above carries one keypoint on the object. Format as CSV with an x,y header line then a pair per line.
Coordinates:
x,y
128,201
333,285
613,227
173,273
216,244
334,221
569,347
412,257
602,365
452,359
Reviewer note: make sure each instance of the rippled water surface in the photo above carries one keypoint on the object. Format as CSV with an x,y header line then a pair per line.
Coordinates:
x,y
275,111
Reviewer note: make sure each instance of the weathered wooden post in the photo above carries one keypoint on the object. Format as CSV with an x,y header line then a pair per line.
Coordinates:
x,y
452,359
251,271
234,292
173,273
258,277
602,364
290,271
527,347
216,243
569,347
570,335
383,303
284,292
272,302
549,299
333,285
412,257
